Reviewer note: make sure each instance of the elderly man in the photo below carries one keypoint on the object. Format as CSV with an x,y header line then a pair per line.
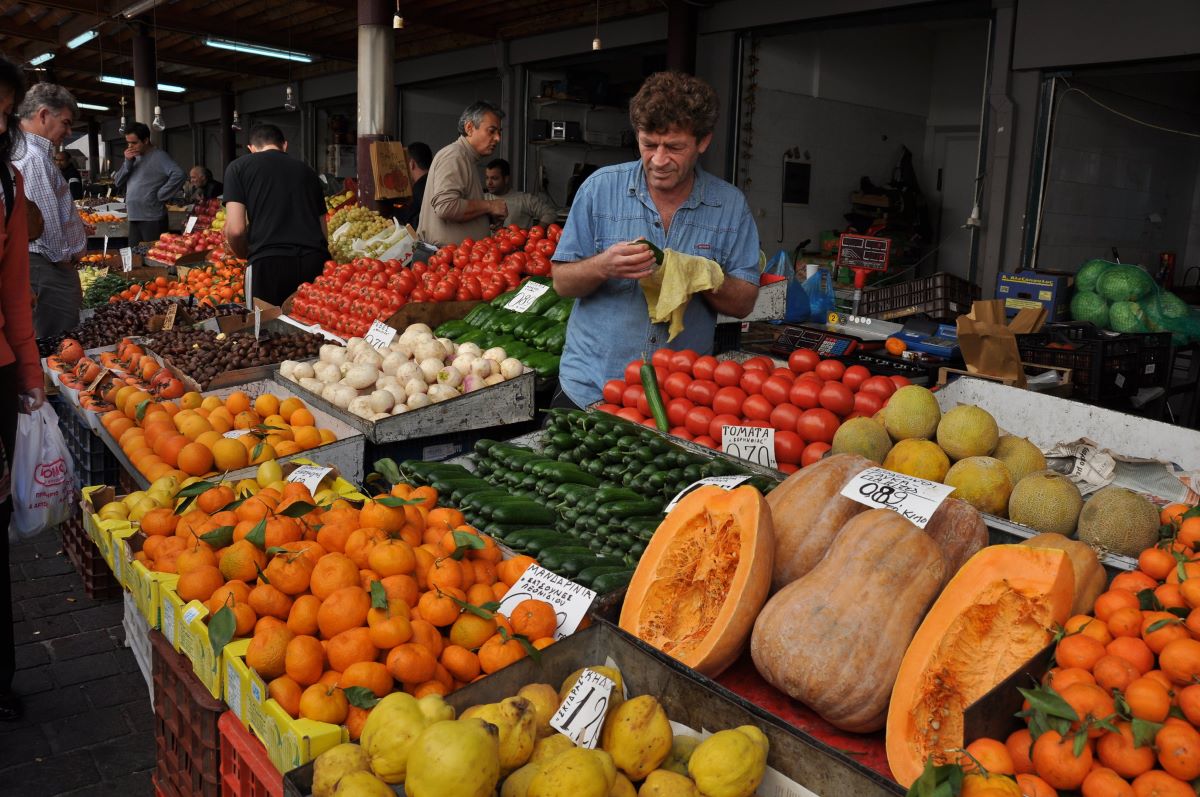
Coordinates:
x,y
149,177
201,185
47,113
453,207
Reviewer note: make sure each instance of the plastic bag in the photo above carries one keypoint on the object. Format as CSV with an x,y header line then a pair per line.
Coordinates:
x,y
43,487
819,288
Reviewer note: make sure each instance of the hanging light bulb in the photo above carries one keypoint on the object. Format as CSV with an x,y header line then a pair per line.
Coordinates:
x,y
596,40
289,102
398,18
121,127
237,123
157,123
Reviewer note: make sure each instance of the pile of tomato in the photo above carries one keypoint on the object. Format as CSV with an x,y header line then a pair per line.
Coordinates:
x,y
805,402
347,297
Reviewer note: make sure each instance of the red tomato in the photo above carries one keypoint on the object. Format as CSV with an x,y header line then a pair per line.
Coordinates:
x,y
660,375
817,425
728,400
813,453
698,419
630,414
784,373
752,381
802,360
653,424
761,424
760,364
705,440
677,409
757,408
785,416
680,431
631,396
705,367
728,373
804,392
682,360
788,447
632,375
900,381
611,409
854,377
719,422
881,386
675,385
867,403
830,369
787,468
643,404
776,389
837,398
702,391
662,357
613,390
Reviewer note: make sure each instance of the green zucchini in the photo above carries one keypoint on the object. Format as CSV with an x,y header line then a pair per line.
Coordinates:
x,y
611,582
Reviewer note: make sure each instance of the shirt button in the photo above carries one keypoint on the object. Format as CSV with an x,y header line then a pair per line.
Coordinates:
x,y
653,339
658,224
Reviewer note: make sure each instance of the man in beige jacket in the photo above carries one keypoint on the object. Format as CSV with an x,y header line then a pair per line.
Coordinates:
x,y
453,207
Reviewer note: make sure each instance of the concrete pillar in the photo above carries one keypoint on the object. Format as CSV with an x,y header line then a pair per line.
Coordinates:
x,y
145,80
681,36
226,135
93,141
376,91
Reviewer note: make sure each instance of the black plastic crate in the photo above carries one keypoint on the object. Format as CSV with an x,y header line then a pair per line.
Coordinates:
x,y
94,463
943,297
99,583
1105,366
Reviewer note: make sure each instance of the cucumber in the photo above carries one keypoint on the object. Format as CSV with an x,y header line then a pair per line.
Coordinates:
x,y
589,574
611,582
520,537
523,510
536,545
629,508
555,557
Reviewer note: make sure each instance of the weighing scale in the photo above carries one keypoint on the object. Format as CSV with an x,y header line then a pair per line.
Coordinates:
x,y
862,254
840,336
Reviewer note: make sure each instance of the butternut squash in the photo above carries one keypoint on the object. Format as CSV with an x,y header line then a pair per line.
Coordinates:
x,y
1091,578
959,530
703,578
834,637
996,613
808,511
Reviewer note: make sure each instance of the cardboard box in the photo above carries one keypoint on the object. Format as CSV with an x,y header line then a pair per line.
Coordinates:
x,y
1030,290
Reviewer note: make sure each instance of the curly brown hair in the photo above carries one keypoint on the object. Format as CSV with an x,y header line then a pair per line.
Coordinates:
x,y
674,100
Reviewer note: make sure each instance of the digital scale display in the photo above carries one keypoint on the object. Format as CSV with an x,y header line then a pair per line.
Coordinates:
x,y
826,344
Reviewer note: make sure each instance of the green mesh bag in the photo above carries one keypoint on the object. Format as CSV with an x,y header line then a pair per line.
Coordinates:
x,y
1089,273
1121,282
1166,312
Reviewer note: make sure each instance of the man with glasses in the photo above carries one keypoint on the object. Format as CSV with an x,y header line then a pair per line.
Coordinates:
x,y
149,178
47,113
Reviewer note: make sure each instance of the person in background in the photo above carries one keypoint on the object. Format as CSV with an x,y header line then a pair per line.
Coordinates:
x,y
420,156
71,174
21,387
666,198
524,210
453,207
201,185
149,178
275,217
46,116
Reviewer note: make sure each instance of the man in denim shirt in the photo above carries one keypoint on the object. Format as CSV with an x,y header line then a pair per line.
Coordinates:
x,y
670,201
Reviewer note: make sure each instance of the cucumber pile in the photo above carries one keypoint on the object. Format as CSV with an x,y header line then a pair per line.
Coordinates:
x,y
586,505
535,337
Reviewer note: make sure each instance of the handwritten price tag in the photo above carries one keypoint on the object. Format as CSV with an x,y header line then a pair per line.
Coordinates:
x,y
581,715
104,252
309,475
99,378
915,499
234,433
380,335
526,297
724,482
191,224
571,601
126,259
169,321
751,443
257,322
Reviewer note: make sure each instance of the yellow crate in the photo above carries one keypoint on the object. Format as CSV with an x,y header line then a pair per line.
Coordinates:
x,y
172,616
290,742
234,681
146,586
101,531
195,644
114,553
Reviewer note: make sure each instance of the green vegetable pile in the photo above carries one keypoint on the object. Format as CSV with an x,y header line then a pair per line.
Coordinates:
x,y
101,290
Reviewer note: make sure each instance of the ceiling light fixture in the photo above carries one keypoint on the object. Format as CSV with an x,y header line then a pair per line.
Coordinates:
x,y
289,102
258,49
237,123
596,41
121,127
158,123
82,39
87,106
140,7
124,81
398,19
41,59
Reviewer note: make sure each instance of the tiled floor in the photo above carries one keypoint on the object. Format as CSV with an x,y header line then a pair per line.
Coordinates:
x,y
88,726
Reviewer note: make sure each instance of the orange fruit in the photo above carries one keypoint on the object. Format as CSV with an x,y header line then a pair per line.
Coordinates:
x,y
342,610
460,663
159,521
1078,650
195,459
288,406
1020,744
1055,761
993,755
268,601
304,660
1118,752
411,663
237,401
331,573
268,650
390,632
1148,699
266,404
1178,746
323,703
214,498
286,693
302,619
199,583
229,454
535,619
1180,660
370,675
301,417
392,557
241,561
350,647
471,631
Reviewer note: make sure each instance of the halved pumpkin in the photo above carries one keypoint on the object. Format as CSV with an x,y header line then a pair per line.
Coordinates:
x,y
704,577
997,612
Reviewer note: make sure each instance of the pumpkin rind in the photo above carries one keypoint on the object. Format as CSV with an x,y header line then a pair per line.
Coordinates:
x,y
808,511
1091,579
959,531
703,578
994,615
833,638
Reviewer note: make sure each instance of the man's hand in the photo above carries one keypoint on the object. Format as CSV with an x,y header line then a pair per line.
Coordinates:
x,y
626,260
499,209
130,154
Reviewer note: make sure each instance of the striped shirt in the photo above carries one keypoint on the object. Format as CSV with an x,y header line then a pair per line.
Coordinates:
x,y
64,235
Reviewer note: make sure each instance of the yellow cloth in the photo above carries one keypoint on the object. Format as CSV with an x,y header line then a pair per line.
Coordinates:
x,y
671,286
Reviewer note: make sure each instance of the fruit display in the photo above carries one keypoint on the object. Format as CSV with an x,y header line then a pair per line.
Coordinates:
x,y
98,379
203,355
413,371
113,321
218,220
510,748
170,247
535,337
338,201
206,211
200,435
807,403
99,286
350,226
209,283
92,219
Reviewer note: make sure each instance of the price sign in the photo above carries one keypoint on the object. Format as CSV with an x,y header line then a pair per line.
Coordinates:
x,y
581,715
570,600
915,499
380,335
234,433
191,225
126,259
724,482
257,322
864,251
104,252
99,378
526,297
751,443
169,321
210,325
309,475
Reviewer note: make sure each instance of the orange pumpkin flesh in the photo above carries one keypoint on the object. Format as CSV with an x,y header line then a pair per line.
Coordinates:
x,y
997,612
703,578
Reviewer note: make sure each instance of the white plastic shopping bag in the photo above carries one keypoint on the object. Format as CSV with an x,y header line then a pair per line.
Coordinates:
x,y
43,490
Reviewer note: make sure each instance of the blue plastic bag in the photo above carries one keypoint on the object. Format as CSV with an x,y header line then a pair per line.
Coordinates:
x,y
819,288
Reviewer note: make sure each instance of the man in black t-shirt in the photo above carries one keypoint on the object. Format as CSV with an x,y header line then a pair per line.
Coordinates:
x,y
275,217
